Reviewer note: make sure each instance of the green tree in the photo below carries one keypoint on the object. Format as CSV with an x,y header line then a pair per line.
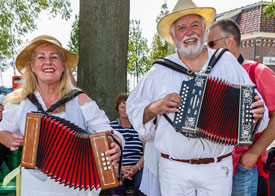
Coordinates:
x,y
74,36
269,9
17,19
159,47
137,58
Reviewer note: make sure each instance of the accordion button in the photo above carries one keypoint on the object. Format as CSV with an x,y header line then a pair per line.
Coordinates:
x,y
107,158
103,159
109,167
105,168
104,163
102,154
108,162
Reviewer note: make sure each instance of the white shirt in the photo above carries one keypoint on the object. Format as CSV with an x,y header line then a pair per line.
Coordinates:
x,y
159,82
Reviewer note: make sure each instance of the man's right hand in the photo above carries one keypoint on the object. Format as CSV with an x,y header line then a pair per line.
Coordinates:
x,y
167,104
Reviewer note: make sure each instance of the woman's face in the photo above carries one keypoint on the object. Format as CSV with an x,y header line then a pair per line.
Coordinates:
x,y
47,64
122,110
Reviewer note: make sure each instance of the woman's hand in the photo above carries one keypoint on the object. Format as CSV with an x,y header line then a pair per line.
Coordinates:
x,y
11,140
114,153
129,171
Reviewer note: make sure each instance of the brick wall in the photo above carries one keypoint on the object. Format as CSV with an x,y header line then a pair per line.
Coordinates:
x,y
256,49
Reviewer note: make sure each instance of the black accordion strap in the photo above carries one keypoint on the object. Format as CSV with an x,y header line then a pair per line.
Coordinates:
x,y
215,58
120,158
72,94
176,67
34,100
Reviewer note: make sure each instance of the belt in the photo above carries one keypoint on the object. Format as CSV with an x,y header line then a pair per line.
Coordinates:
x,y
197,161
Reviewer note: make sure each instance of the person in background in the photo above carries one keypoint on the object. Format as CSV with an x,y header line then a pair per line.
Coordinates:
x,y
4,151
46,68
132,159
226,34
190,166
150,181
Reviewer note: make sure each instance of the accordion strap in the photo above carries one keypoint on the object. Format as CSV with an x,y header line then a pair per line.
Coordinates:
x,y
72,94
176,67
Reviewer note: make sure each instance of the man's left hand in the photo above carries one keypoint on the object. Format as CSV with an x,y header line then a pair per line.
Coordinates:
x,y
258,109
248,160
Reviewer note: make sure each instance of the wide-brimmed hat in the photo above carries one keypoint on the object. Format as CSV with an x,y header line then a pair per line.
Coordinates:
x,y
183,8
24,56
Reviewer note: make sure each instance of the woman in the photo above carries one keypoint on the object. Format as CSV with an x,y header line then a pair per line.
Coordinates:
x,y
132,159
46,68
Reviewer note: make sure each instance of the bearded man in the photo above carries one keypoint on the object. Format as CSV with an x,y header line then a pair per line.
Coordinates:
x,y
187,166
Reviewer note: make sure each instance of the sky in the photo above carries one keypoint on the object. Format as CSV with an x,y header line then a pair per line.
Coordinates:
x,y
144,10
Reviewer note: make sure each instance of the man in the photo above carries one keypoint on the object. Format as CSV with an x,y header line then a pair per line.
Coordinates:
x,y
157,94
3,149
226,34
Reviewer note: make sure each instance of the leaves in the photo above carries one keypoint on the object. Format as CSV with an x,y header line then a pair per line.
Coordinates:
x,y
17,19
269,9
160,48
138,60
73,43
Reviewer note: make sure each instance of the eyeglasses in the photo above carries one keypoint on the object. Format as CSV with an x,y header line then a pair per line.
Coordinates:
x,y
211,44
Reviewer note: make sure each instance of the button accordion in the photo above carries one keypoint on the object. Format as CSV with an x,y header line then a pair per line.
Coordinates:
x,y
216,110
66,153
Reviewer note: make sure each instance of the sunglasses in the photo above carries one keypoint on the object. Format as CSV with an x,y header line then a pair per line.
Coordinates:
x,y
211,44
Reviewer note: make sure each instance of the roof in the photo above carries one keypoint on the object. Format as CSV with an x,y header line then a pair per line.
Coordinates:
x,y
251,18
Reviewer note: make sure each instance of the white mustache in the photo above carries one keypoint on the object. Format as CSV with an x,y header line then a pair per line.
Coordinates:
x,y
186,37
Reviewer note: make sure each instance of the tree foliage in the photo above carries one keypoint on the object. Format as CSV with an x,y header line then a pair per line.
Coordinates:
x,y
73,42
160,48
137,60
17,19
269,9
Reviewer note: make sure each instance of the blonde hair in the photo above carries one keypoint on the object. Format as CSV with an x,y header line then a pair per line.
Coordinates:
x,y
29,83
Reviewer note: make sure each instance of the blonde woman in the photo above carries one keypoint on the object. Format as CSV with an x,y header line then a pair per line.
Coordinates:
x,y
46,68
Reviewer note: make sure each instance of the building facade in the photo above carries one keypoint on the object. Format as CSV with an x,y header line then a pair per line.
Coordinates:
x,y
257,32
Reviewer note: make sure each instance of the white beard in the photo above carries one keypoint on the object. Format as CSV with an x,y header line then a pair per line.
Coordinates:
x,y
190,51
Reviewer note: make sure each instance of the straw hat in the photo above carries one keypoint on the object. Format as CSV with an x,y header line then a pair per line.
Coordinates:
x,y
183,8
24,56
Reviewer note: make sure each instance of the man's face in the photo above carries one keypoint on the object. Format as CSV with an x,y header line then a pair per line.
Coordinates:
x,y
189,35
216,39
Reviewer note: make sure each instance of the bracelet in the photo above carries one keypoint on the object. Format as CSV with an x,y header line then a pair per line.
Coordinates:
x,y
138,167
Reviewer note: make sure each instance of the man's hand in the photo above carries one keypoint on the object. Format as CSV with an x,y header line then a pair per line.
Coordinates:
x,y
258,109
167,104
248,160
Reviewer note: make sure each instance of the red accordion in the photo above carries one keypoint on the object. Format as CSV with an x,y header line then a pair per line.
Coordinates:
x,y
66,153
216,110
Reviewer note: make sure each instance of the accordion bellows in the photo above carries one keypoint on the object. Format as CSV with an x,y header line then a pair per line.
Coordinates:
x,y
66,153
216,110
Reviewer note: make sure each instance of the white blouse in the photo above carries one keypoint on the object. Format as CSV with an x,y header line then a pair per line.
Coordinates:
x,y
88,117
